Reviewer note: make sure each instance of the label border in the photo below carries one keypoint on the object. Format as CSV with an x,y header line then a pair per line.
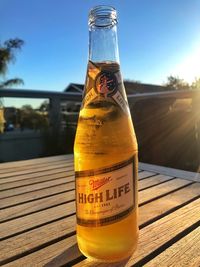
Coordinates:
x,y
80,174
117,217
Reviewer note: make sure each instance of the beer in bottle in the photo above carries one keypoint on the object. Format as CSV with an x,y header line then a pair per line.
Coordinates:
x,y
105,151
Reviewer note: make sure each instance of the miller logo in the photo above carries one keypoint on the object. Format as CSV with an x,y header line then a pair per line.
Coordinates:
x,y
106,83
96,184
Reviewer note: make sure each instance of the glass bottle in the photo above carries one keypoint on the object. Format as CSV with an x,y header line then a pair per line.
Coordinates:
x,y
105,151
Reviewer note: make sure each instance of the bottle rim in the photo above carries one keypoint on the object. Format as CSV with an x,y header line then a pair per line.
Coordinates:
x,y
102,16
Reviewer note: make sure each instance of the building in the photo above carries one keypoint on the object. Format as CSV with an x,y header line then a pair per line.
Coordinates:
x,y
131,88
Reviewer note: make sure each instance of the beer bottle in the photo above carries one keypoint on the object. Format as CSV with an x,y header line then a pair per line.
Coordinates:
x,y
105,151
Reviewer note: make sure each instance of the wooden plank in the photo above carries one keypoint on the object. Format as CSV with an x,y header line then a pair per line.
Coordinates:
x,y
193,176
185,252
59,253
35,206
34,187
46,192
37,237
15,225
31,166
36,219
154,180
44,176
168,203
147,212
36,174
161,189
167,227
36,169
36,180
145,174
158,233
34,161
144,196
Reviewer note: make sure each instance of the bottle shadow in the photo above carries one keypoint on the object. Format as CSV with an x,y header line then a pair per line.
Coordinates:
x,y
67,258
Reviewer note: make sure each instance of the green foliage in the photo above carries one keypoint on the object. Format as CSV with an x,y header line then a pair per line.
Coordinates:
x,y
11,82
7,55
33,119
44,107
196,84
176,83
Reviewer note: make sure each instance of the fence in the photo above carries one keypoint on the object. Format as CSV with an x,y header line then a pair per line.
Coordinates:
x,y
167,125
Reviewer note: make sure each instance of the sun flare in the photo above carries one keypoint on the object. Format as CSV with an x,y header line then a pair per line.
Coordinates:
x,y
189,69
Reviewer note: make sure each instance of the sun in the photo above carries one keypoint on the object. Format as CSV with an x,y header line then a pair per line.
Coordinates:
x,y
189,68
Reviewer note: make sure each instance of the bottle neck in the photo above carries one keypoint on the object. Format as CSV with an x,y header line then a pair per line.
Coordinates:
x,y
103,44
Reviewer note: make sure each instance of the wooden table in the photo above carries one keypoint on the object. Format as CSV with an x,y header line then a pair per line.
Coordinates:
x,y
37,213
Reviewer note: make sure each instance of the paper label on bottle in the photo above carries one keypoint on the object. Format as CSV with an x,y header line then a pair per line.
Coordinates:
x,y
105,196
105,83
91,95
120,101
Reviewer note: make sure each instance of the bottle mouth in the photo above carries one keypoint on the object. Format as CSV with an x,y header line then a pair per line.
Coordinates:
x,y
102,16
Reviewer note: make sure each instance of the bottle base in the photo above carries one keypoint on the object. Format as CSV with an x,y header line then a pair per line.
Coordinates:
x,y
91,257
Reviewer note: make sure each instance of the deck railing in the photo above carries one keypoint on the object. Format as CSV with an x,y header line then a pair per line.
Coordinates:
x,y
153,113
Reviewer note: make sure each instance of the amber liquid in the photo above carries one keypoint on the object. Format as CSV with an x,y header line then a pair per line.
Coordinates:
x,y
105,136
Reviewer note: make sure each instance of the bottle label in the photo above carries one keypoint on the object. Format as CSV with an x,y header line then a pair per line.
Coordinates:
x,y
105,83
106,195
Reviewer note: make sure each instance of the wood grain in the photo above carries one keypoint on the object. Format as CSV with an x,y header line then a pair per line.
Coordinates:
x,y
40,179
32,196
35,170
36,174
158,233
154,180
151,238
34,206
34,220
46,231
37,215
54,255
145,174
168,203
28,162
186,252
193,176
37,237
34,187
161,189
31,166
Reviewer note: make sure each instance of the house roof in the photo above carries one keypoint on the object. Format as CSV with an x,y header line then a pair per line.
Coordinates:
x,y
74,87
131,88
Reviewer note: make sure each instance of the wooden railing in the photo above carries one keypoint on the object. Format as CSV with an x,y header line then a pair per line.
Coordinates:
x,y
55,99
152,114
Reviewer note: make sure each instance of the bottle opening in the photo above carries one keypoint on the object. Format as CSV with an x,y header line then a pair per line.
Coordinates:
x,y
102,16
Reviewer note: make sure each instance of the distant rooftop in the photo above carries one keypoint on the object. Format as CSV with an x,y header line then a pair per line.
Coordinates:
x,y
131,88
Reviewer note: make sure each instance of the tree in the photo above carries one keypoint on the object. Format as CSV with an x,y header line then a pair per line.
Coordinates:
x,y
32,119
7,55
196,84
44,107
176,83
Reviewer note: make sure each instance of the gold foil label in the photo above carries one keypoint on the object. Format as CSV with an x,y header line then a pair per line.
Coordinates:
x,y
106,195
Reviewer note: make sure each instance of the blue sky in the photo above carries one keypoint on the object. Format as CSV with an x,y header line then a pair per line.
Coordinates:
x,y
156,38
